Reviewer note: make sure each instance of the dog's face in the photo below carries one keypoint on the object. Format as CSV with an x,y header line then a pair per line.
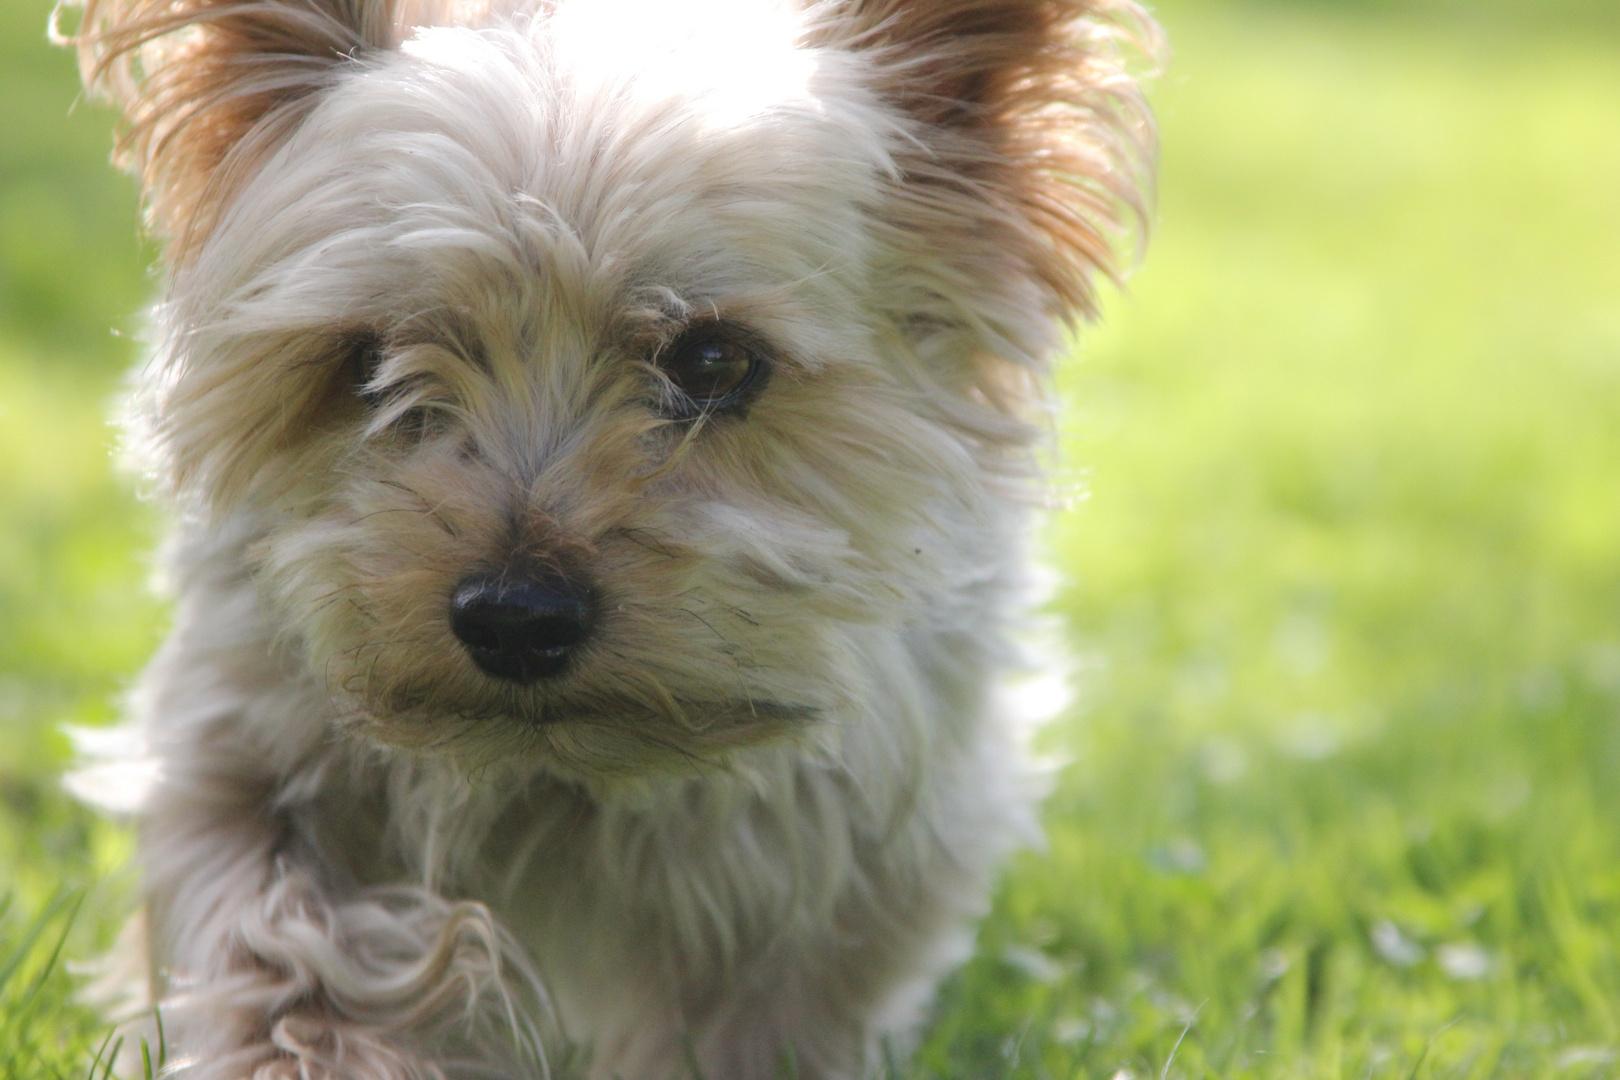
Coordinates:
x,y
598,383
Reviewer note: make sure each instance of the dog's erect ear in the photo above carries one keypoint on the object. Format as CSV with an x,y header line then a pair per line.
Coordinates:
x,y
203,83
1036,142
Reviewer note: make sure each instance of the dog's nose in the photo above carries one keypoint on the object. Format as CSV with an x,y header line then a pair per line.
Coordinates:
x,y
522,629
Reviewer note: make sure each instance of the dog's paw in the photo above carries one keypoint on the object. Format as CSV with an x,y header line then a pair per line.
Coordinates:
x,y
301,1046
314,1048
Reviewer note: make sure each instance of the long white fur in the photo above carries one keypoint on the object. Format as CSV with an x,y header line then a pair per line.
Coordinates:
x,y
757,821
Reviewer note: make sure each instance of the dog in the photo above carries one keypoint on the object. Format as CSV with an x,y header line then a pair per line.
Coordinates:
x,y
600,437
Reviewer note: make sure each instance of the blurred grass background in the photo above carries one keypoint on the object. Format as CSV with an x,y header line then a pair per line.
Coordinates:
x,y
1340,795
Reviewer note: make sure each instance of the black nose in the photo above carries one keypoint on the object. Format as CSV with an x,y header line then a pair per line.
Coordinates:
x,y
522,629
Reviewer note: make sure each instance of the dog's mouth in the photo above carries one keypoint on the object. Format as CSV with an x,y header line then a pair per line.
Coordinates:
x,y
549,705
697,730
695,717
694,714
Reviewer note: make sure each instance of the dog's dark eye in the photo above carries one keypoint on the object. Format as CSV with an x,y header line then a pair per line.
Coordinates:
x,y
710,367
363,354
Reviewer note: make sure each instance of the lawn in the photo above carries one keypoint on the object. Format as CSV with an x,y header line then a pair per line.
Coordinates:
x,y
1338,541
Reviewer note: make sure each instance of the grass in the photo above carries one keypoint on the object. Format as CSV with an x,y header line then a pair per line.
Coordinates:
x,y
1341,569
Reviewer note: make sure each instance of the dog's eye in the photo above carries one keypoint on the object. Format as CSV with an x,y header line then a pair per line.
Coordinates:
x,y
363,355
711,367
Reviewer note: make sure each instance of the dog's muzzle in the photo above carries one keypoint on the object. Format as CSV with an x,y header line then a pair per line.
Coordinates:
x,y
521,629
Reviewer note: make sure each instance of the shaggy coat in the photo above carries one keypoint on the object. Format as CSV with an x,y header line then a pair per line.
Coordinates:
x,y
427,265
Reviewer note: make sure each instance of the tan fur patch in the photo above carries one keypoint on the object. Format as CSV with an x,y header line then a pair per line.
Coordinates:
x,y
207,85
1032,124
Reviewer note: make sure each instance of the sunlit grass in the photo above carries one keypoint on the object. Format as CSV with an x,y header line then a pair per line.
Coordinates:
x,y
1342,574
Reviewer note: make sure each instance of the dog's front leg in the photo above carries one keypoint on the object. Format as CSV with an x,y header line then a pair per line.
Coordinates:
x,y
273,948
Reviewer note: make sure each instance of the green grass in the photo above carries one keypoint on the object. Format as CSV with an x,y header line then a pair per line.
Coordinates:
x,y
1342,568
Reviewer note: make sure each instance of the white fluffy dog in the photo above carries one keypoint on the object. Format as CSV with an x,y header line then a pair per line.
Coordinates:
x,y
598,431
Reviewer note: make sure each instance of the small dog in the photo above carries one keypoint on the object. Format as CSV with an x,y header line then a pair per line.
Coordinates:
x,y
599,432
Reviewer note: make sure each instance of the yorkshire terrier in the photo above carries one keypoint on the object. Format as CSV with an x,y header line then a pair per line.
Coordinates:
x,y
600,434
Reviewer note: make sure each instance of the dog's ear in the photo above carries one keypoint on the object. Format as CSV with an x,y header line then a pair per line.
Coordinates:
x,y
1034,149
204,85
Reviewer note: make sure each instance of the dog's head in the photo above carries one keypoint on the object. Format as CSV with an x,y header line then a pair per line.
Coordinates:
x,y
599,378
